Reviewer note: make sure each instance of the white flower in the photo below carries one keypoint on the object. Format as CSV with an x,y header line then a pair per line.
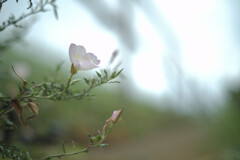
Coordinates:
x,y
82,60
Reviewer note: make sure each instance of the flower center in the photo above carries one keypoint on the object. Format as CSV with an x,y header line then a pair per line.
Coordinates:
x,y
78,57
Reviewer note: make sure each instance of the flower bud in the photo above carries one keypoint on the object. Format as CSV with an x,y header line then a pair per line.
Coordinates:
x,y
115,116
113,57
34,107
92,82
73,69
19,109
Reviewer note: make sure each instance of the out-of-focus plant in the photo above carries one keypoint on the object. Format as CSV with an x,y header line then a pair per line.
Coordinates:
x,y
29,93
39,7
13,152
95,141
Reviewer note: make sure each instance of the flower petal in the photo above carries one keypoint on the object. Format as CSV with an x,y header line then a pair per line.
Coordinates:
x,y
93,58
115,114
87,65
89,61
78,66
80,51
72,52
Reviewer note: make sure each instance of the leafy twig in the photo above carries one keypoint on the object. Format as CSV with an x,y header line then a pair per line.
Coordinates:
x,y
13,152
40,7
95,141
86,149
52,91
1,3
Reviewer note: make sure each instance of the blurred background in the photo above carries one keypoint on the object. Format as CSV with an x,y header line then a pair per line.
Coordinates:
x,y
180,84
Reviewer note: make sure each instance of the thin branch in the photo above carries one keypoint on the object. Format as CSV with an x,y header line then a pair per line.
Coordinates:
x,y
24,16
24,81
39,8
1,3
86,149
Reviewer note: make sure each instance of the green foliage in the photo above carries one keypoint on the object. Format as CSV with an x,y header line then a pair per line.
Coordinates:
x,y
13,152
95,141
29,94
102,78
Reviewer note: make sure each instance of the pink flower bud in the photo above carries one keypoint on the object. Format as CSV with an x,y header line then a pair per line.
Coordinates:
x,y
113,57
115,114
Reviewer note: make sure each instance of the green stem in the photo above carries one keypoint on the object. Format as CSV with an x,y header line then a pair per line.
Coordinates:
x,y
69,80
50,96
86,149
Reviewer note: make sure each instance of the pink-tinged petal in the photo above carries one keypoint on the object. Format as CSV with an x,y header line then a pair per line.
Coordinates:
x,y
88,61
113,57
72,51
93,58
87,65
77,65
115,114
80,51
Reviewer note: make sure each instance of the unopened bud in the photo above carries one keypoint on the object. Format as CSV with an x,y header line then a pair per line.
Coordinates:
x,y
92,82
34,107
113,57
19,109
115,116
73,69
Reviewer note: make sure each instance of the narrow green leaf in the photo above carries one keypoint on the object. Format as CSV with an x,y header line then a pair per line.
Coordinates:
x,y
99,75
119,72
75,81
113,75
114,82
91,138
106,74
86,80
55,11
